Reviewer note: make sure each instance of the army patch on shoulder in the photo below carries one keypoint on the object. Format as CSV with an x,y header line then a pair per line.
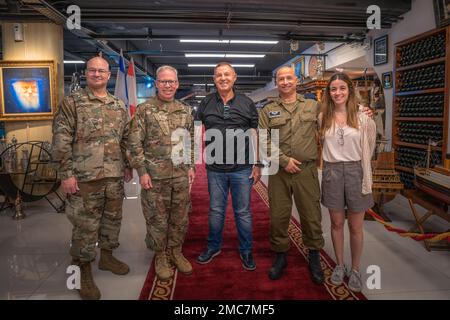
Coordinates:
x,y
274,114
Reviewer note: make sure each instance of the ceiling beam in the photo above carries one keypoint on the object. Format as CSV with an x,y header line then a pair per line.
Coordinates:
x,y
49,11
317,37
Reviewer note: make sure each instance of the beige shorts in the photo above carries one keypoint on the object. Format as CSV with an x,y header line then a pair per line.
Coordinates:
x,y
342,185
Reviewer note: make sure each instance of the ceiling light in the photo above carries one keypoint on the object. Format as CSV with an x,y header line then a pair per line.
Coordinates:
x,y
243,65
213,65
223,55
233,55
201,65
254,41
200,96
229,41
203,84
204,55
205,40
73,61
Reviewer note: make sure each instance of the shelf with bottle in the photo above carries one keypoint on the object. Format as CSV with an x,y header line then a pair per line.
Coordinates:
x,y
422,64
421,99
427,49
420,106
419,134
400,119
421,79
415,145
407,178
409,93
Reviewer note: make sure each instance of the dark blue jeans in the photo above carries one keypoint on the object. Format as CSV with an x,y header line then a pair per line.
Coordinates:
x,y
240,186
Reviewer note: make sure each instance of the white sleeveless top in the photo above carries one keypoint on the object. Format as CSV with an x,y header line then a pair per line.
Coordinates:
x,y
347,148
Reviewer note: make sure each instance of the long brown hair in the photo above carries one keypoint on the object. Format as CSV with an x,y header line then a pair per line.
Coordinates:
x,y
328,104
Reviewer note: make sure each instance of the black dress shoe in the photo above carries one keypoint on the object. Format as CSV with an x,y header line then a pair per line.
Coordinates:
x,y
314,267
278,265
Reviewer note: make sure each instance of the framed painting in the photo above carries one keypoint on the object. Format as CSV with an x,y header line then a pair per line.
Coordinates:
x,y
442,12
380,50
299,68
387,80
27,90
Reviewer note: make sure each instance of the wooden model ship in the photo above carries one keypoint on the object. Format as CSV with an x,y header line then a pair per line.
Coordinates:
x,y
433,181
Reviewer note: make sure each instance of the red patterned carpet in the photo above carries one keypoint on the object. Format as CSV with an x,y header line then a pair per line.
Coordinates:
x,y
224,278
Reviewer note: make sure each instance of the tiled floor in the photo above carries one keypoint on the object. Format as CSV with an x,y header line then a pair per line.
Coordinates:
x,y
408,270
34,256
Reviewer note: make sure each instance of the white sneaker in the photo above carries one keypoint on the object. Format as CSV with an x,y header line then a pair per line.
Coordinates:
x,y
355,282
338,275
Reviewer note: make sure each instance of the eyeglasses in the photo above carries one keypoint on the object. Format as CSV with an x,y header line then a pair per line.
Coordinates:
x,y
340,133
285,79
93,71
226,111
169,82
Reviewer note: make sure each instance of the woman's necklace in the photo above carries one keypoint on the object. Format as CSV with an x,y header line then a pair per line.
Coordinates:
x,y
340,118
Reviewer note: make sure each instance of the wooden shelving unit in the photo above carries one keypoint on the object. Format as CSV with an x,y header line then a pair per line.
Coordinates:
x,y
413,98
400,119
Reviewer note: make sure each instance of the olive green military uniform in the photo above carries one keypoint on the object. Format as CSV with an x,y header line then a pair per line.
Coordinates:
x,y
297,125
89,142
152,146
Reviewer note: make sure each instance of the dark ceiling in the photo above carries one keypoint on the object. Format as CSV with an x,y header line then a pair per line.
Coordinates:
x,y
149,31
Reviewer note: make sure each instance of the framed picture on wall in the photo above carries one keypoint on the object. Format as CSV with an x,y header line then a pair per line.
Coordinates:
x,y
380,50
27,90
387,80
442,12
299,67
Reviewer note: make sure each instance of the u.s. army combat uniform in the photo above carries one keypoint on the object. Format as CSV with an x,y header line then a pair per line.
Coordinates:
x,y
89,143
297,125
166,205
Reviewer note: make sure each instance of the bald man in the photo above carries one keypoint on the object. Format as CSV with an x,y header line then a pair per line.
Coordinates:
x,y
296,119
90,132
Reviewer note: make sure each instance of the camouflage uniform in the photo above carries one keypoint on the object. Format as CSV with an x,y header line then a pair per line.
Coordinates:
x,y
89,142
166,205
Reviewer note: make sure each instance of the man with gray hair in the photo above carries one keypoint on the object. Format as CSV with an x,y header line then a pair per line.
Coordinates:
x,y
155,130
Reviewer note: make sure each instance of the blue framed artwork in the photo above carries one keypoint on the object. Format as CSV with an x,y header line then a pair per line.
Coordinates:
x,y
27,90
387,80
299,68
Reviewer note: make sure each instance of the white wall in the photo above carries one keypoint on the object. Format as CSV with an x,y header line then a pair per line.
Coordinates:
x,y
269,90
344,55
418,20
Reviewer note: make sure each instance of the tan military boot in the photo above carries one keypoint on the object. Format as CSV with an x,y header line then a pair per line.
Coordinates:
x,y
88,289
162,267
109,262
177,258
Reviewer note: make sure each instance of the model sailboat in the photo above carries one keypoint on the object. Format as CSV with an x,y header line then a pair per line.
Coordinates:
x,y
433,181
